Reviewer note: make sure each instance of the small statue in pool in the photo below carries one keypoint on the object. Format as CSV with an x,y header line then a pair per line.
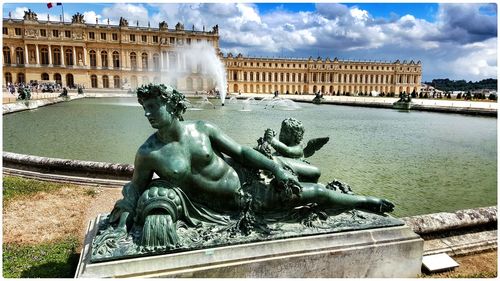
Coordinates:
x,y
206,177
64,93
290,151
24,93
318,98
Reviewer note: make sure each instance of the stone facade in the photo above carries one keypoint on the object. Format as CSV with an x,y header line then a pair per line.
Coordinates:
x,y
330,76
96,55
100,55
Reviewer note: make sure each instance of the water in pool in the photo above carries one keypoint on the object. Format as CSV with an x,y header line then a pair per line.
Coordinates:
x,y
424,162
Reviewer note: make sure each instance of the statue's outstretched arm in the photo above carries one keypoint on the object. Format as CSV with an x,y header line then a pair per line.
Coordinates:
x,y
246,155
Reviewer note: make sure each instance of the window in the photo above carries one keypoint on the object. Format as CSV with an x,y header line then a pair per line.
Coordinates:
x,y
198,40
68,56
144,38
133,60
91,35
155,39
56,60
116,80
19,55
103,36
105,81
67,33
43,32
55,33
132,37
115,36
44,57
188,41
144,58
18,31
104,59
116,59
93,60
5,31
172,40
6,55
93,81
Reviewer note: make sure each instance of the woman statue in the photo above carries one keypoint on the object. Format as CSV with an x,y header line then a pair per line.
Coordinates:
x,y
208,167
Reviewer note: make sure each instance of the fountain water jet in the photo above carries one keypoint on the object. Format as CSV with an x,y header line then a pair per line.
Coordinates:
x,y
203,55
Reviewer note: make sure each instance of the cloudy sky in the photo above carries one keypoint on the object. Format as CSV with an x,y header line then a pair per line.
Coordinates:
x,y
456,41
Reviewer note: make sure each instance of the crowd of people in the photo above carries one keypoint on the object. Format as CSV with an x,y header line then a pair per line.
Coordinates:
x,y
33,87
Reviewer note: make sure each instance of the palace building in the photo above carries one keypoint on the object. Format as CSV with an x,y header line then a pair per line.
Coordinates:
x,y
100,55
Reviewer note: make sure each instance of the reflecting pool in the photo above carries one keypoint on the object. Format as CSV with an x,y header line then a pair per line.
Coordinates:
x,y
424,162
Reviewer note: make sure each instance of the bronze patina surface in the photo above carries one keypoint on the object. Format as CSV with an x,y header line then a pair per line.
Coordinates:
x,y
213,191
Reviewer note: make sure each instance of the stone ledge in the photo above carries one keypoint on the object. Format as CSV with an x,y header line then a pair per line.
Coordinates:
x,y
382,252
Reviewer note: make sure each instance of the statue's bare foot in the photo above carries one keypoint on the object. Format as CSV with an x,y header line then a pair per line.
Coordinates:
x,y
378,205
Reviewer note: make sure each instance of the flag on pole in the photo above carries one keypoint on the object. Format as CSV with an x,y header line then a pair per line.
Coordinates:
x,y
50,5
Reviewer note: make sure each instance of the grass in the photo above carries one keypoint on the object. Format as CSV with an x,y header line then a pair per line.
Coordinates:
x,y
55,259
16,187
50,260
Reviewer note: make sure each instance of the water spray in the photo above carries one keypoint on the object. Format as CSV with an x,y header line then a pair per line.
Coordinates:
x,y
205,55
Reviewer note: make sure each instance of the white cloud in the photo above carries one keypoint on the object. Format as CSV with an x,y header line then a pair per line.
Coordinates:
x,y
478,61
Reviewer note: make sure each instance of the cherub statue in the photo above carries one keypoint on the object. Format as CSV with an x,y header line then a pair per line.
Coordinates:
x,y
291,153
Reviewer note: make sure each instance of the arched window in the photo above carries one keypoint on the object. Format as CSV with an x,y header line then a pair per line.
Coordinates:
x,y
116,59
19,56
133,60
45,76
44,56
68,55
93,81
133,81
144,61
244,76
58,79
105,81
8,77
70,82
104,59
57,57
116,81
20,78
93,58
6,55
156,62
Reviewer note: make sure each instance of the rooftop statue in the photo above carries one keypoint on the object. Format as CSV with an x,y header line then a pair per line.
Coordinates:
x,y
211,190
30,15
123,22
77,18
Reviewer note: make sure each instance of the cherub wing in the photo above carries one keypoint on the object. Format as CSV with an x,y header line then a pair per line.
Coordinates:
x,y
314,145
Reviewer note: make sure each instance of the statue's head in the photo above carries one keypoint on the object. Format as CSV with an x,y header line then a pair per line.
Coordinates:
x,y
167,95
292,131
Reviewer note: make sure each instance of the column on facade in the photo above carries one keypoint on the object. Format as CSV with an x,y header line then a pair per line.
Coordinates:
x,y
37,54
168,60
50,54
63,56
85,56
26,54
74,55
161,61
98,58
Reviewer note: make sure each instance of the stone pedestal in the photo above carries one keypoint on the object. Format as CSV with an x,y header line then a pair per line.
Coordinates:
x,y
381,252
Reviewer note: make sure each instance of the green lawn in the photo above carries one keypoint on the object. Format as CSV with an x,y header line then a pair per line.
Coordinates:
x,y
51,260
47,260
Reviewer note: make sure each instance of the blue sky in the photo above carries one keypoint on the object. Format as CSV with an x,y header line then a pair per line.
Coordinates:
x,y
456,41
